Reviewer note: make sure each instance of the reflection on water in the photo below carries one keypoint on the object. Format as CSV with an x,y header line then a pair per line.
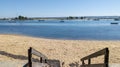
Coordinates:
x,y
76,30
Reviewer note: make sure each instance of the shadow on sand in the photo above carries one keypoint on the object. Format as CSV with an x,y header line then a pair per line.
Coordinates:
x,y
76,64
20,57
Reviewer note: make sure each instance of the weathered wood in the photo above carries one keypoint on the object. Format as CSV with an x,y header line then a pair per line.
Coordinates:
x,y
37,64
43,61
93,65
83,62
89,61
53,63
35,52
106,58
29,57
104,52
40,59
96,54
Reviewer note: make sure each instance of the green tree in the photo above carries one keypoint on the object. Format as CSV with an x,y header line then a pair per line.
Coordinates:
x,y
76,18
21,18
116,19
70,17
81,17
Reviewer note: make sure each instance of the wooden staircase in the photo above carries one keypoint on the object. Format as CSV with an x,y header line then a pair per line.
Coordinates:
x,y
43,62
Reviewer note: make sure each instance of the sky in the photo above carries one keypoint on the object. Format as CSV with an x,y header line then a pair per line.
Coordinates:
x,y
59,8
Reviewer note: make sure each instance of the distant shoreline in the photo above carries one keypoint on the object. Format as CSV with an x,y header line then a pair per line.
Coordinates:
x,y
96,18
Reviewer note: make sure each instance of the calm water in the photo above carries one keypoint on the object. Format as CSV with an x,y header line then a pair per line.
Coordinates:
x,y
75,30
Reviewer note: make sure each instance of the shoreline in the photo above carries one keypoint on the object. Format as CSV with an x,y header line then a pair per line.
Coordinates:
x,y
68,51
57,38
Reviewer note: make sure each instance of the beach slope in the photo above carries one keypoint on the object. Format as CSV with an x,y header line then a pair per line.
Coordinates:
x,y
14,48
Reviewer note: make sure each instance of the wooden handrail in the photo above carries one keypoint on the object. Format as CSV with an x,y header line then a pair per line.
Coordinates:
x,y
96,54
37,53
104,52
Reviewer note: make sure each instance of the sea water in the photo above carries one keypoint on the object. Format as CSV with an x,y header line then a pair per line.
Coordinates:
x,y
68,30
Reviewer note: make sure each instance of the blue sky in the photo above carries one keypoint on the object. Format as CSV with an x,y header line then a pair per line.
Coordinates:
x,y
53,8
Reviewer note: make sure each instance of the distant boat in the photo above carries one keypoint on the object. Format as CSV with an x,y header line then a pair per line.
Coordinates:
x,y
114,23
62,21
41,20
12,21
96,19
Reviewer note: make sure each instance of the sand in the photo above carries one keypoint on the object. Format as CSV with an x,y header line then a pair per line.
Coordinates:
x,y
67,51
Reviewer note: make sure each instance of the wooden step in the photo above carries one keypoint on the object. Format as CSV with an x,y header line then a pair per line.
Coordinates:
x,y
37,64
114,65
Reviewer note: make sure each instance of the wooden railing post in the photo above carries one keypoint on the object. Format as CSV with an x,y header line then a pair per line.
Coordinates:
x,y
83,63
45,61
89,61
31,51
106,57
29,57
41,60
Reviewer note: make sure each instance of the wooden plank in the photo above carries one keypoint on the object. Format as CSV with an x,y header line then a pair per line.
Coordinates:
x,y
29,58
37,64
53,63
114,65
93,65
96,54
50,63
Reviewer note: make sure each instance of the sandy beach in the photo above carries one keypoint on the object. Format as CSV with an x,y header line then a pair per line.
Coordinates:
x,y
67,51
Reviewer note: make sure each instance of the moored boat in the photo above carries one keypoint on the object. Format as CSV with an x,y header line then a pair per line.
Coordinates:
x,y
114,23
41,20
62,21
